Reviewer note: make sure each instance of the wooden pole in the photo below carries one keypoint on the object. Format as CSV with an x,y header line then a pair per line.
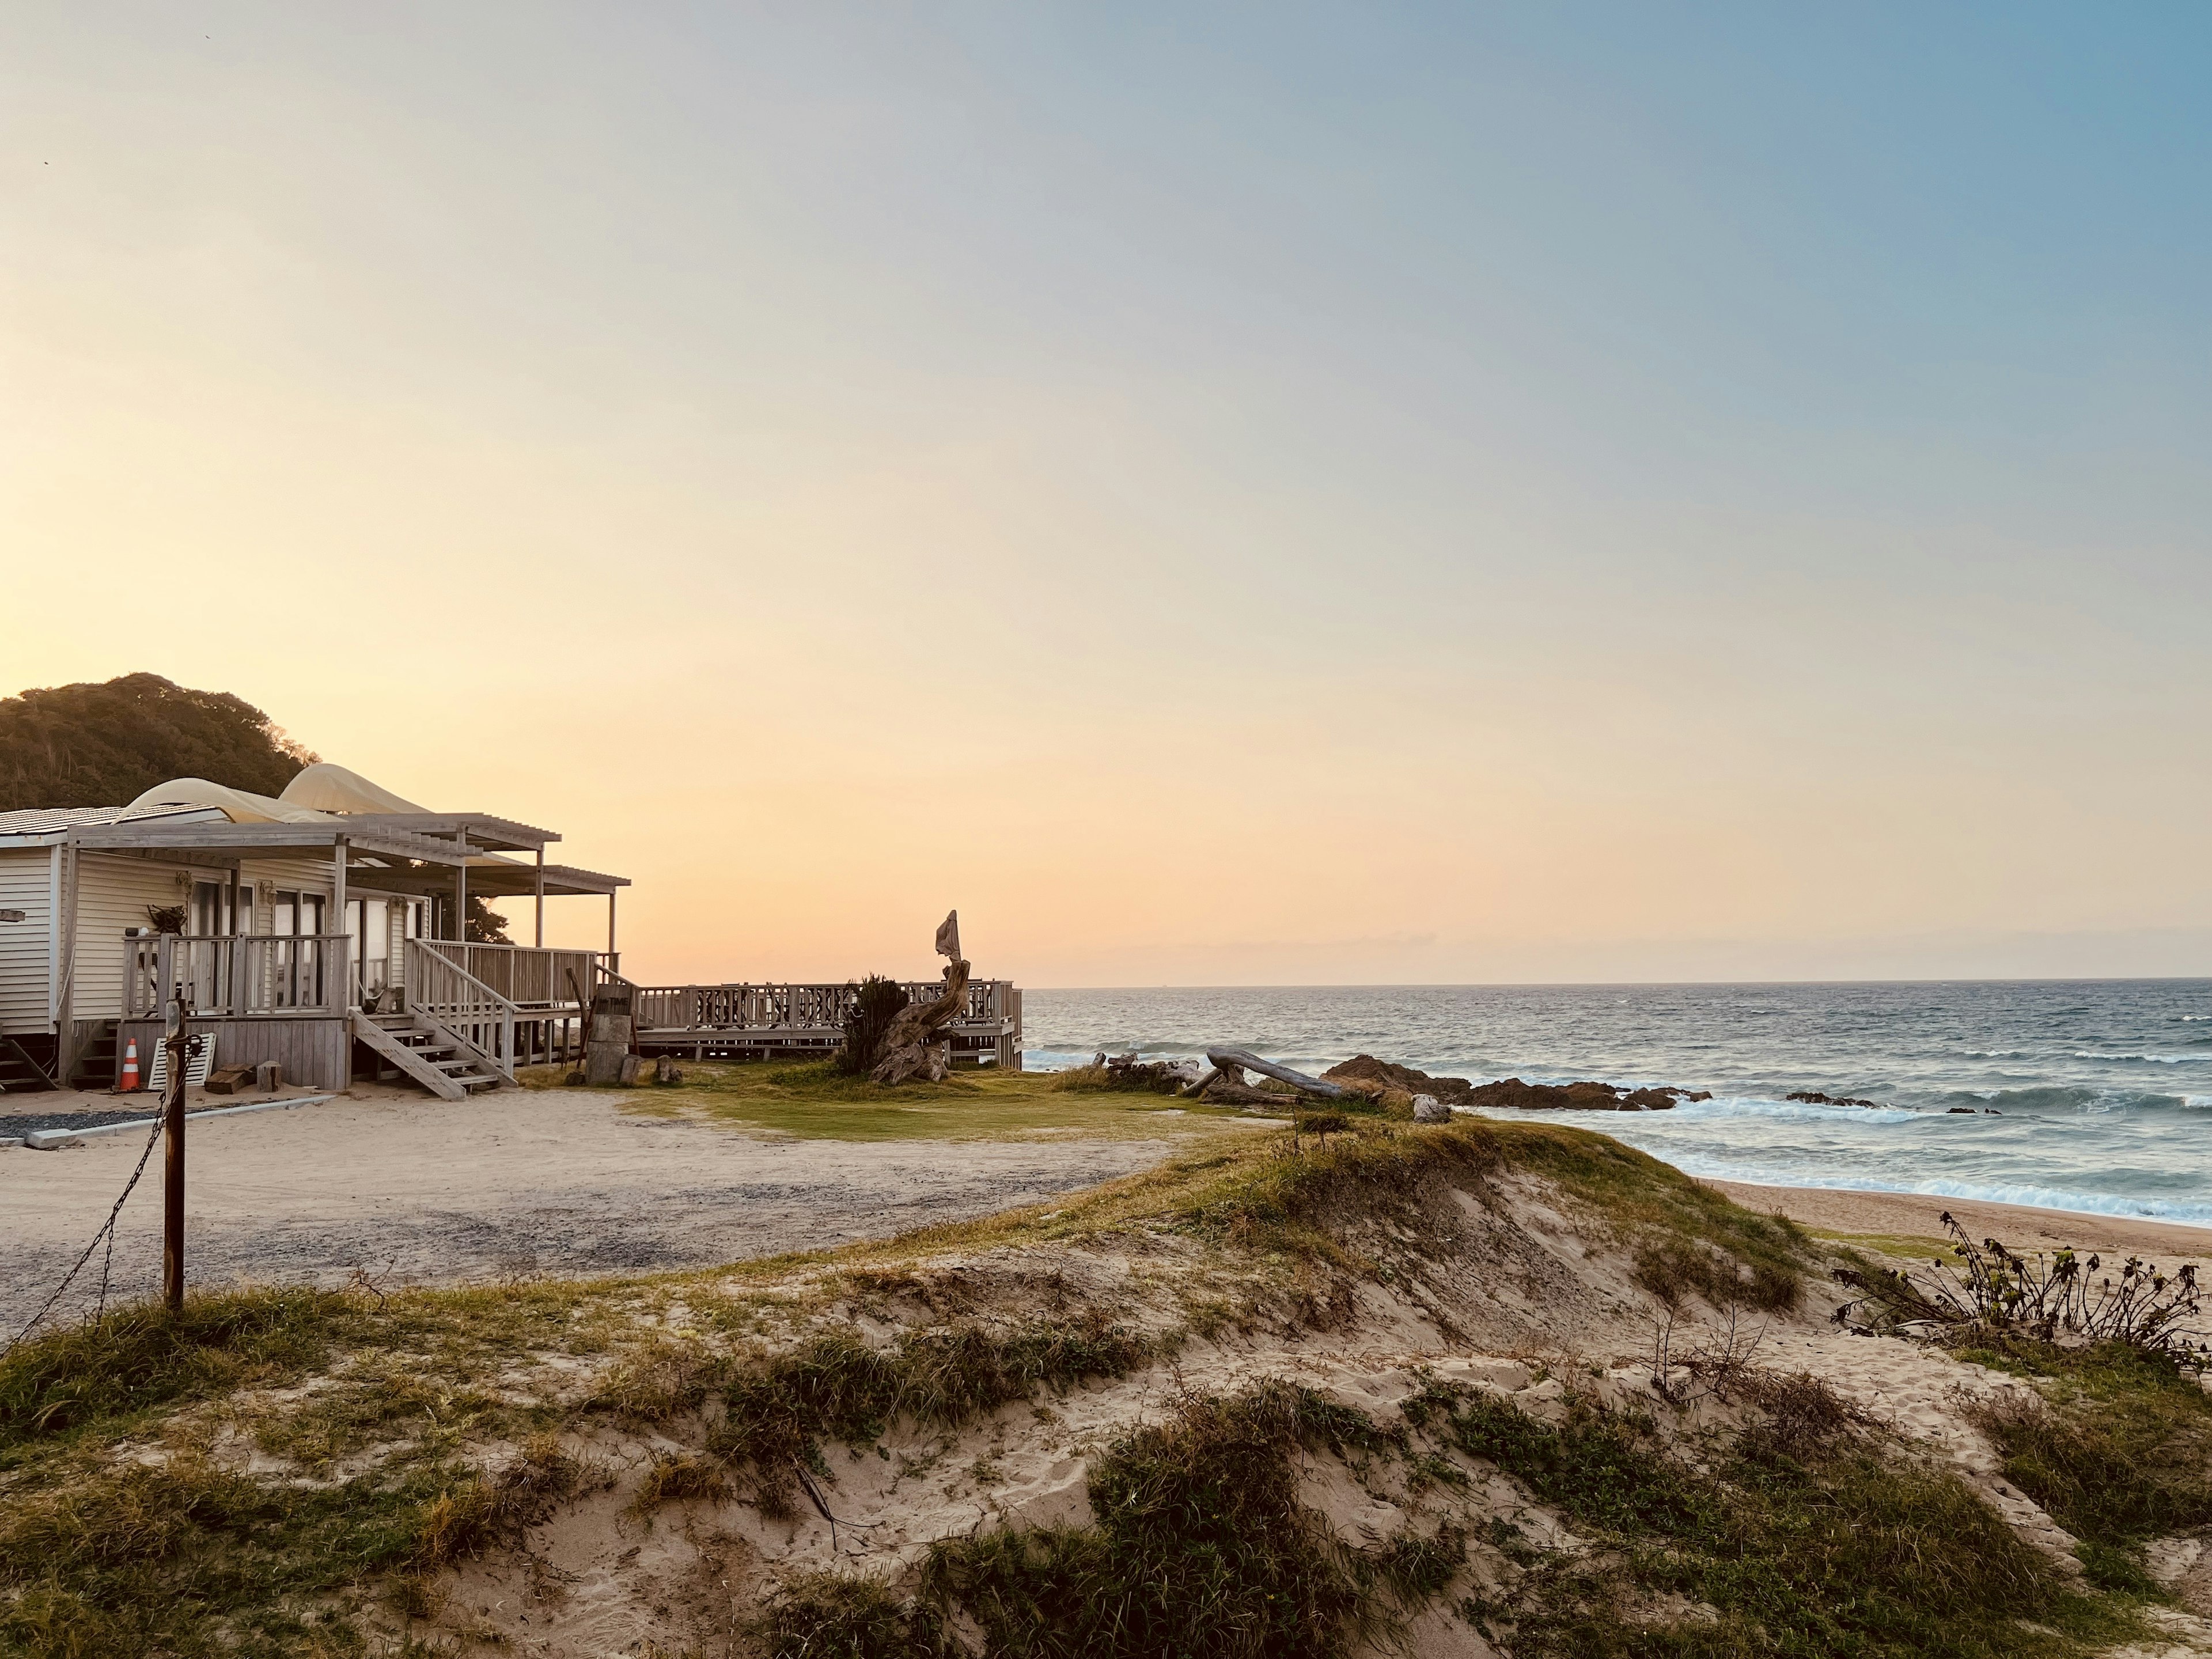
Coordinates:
x,y
173,1156
342,922
461,895
613,960
540,891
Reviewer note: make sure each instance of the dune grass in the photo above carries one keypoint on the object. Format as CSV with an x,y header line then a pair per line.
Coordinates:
x,y
1201,1549
2114,1442
388,1400
1805,1536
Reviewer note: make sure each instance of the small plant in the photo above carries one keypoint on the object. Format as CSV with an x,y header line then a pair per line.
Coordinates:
x,y
1993,1292
876,1001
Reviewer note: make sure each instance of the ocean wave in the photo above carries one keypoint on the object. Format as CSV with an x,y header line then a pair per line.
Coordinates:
x,y
2153,1059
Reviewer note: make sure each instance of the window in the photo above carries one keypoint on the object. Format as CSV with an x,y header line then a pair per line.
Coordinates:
x,y
369,922
298,968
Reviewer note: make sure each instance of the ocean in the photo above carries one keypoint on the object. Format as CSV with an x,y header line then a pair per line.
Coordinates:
x,y
2094,1095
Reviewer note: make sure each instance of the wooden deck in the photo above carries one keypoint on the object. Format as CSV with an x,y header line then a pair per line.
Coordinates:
x,y
799,1022
297,1000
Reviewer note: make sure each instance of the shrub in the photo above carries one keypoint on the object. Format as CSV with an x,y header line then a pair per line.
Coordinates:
x,y
878,1002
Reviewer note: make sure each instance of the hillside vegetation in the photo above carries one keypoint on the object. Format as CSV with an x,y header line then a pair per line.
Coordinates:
x,y
104,745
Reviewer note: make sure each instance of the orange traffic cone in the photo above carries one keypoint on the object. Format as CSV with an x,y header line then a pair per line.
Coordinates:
x,y
128,1083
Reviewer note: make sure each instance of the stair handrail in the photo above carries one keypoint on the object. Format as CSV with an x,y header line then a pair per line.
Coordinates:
x,y
420,952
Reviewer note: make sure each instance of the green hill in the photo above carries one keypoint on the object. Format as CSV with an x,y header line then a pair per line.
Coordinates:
x,y
104,744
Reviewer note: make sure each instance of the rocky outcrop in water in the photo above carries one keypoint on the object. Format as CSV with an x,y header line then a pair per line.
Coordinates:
x,y
1374,1074
1508,1093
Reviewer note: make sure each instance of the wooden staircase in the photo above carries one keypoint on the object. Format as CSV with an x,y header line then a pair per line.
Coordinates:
x,y
434,1056
97,1063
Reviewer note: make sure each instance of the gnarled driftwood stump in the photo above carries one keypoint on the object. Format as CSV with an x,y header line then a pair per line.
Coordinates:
x,y
911,1046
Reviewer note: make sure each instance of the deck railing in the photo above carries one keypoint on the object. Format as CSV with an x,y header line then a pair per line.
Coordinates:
x,y
526,976
794,1008
236,975
472,1011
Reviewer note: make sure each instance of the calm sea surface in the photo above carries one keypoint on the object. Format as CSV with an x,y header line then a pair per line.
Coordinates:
x,y
2101,1090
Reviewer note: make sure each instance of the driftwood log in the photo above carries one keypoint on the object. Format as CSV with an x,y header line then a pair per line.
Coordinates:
x,y
911,1046
1225,1081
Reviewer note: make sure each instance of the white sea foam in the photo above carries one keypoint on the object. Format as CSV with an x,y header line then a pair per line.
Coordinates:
x,y
2153,1059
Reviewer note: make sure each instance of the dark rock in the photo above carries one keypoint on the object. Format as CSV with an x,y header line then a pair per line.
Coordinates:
x,y
1512,1094
1815,1097
1382,1074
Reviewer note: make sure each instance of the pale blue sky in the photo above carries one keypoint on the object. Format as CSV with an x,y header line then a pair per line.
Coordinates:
x,y
1674,482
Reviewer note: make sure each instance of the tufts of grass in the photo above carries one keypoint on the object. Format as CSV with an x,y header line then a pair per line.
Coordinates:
x,y
143,1356
1813,1543
681,1477
2113,1441
837,1388
1672,1268
828,1615
660,1381
1200,1548
479,1511
186,1558
1805,1419
1603,1468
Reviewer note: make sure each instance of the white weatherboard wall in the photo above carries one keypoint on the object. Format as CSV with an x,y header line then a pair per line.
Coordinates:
x,y
26,946
111,895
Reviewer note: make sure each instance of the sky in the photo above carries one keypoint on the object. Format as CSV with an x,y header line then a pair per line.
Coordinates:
x,y
1241,495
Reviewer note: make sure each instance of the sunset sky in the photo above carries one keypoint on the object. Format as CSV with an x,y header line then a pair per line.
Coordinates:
x,y
1221,494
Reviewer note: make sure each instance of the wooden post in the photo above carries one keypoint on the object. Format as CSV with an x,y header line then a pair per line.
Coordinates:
x,y
346,998
230,990
614,961
172,1157
539,889
461,896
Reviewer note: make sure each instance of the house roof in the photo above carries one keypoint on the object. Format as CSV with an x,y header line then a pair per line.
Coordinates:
x,y
192,821
52,822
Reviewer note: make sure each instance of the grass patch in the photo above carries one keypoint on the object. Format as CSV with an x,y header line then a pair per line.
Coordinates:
x,y
140,1357
815,1101
837,1387
1201,1550
2113,1442
1802,1543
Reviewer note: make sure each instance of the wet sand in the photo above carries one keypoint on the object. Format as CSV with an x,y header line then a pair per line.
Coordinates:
x,y
1912,1215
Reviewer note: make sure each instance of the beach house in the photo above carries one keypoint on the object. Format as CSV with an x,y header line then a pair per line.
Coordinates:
x,y
323,929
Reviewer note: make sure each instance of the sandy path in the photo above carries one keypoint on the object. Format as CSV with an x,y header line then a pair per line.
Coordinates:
x,y
1915,1215
420,1190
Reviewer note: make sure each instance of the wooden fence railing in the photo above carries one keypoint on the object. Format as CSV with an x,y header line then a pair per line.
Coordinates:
x,y
472,1010
793,1007
526,976
228,975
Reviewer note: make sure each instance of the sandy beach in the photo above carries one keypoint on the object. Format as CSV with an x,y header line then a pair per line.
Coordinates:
x,y
1913,1215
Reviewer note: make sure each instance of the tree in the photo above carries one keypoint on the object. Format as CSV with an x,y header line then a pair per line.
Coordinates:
x,y
104,745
